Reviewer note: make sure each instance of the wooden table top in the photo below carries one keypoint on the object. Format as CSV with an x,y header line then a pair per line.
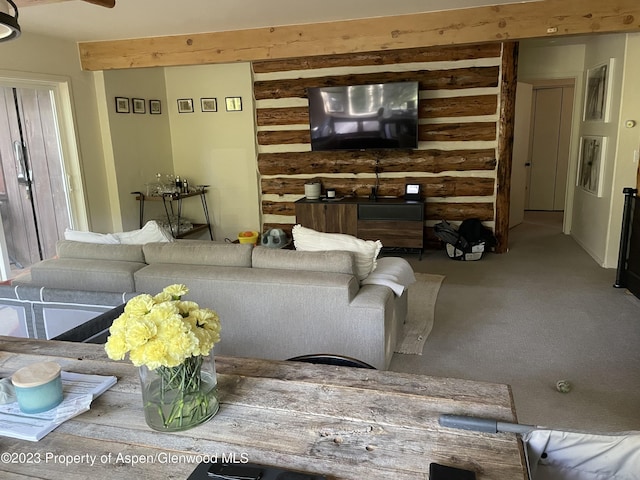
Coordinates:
x,y
345,423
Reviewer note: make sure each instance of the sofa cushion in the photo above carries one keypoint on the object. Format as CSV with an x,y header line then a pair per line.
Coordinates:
x,y
199,252
94,251
86,274
366,251
333,262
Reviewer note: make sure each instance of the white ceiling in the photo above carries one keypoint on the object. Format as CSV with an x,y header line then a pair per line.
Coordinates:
x,y
80,21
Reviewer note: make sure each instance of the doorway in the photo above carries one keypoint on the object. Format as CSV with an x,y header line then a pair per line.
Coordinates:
x,y
550,145
34,199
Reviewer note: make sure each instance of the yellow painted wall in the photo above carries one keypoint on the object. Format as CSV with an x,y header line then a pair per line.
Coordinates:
x,y
216,148
141,143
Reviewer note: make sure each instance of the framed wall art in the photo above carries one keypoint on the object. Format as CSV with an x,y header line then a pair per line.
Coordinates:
x,y
155,107
598,92
139,105
209,104
185,105
234,104
122,105
591,166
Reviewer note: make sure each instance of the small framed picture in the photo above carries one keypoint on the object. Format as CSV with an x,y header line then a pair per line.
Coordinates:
x,y
209,104
154,107
234,104
591,164
598,93
139,105
122,105
185,105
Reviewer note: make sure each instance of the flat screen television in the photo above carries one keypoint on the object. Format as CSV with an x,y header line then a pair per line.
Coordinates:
x,y
357,117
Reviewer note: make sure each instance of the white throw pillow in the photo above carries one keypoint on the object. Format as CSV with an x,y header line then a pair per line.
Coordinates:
x,y
150,233
90,237
366,251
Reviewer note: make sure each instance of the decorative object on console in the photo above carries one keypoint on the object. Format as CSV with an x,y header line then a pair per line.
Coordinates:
x,y
366,251
412,192
172,342
312,190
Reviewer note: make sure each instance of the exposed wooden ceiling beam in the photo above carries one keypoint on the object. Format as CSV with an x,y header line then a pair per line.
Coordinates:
x,y
548,18
31,3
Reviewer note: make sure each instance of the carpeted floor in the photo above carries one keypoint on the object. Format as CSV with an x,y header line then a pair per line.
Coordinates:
x,y
543,312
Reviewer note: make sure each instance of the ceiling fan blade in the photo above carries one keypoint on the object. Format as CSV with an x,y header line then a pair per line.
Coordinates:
x,y
102,3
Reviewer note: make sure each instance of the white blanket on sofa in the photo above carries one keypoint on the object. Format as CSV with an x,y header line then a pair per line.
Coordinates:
x,y
393,272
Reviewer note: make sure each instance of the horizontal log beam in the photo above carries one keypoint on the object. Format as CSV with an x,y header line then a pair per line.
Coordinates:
x,y
548,18
466,106
353,162
411,55
459,211
457,132
445,186
453,79
282,116
283,137
433,132
458,106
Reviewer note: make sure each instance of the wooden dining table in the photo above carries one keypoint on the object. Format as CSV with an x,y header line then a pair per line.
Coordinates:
x,y
341,422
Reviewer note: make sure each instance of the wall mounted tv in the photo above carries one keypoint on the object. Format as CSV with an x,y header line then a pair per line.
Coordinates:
x,y
357,117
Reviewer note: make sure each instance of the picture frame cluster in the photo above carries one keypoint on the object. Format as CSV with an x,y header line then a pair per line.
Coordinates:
x,y
185,105
138,105
209,104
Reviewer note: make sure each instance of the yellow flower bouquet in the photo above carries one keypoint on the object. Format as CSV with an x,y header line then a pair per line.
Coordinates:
x,y
171,341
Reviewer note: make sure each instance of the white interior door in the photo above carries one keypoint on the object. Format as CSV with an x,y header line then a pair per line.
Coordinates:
x,y
551,132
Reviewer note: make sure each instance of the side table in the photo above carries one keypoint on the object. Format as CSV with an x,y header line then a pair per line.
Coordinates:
x,y
168,200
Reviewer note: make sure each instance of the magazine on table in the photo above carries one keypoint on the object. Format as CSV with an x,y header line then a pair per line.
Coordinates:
x,y
78,390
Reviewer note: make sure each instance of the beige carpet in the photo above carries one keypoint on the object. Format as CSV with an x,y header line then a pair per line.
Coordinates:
x,y
421,297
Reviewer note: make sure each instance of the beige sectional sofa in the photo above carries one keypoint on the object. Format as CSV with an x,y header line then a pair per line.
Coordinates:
x,y
273,303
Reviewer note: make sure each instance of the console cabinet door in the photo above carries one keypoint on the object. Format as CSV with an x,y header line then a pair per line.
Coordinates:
x,y
311,215
341,218
328,217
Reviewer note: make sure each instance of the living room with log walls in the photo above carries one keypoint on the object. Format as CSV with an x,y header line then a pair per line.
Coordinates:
x,y
461,122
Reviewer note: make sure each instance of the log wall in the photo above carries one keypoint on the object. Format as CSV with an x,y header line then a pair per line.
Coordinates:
x,y
459,125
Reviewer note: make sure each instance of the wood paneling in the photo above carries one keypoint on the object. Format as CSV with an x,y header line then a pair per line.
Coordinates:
x,y
351,162
509,22
445,53
393,187
450,79
451,112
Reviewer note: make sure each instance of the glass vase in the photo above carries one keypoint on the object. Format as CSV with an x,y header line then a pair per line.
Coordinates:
x,y
179,398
